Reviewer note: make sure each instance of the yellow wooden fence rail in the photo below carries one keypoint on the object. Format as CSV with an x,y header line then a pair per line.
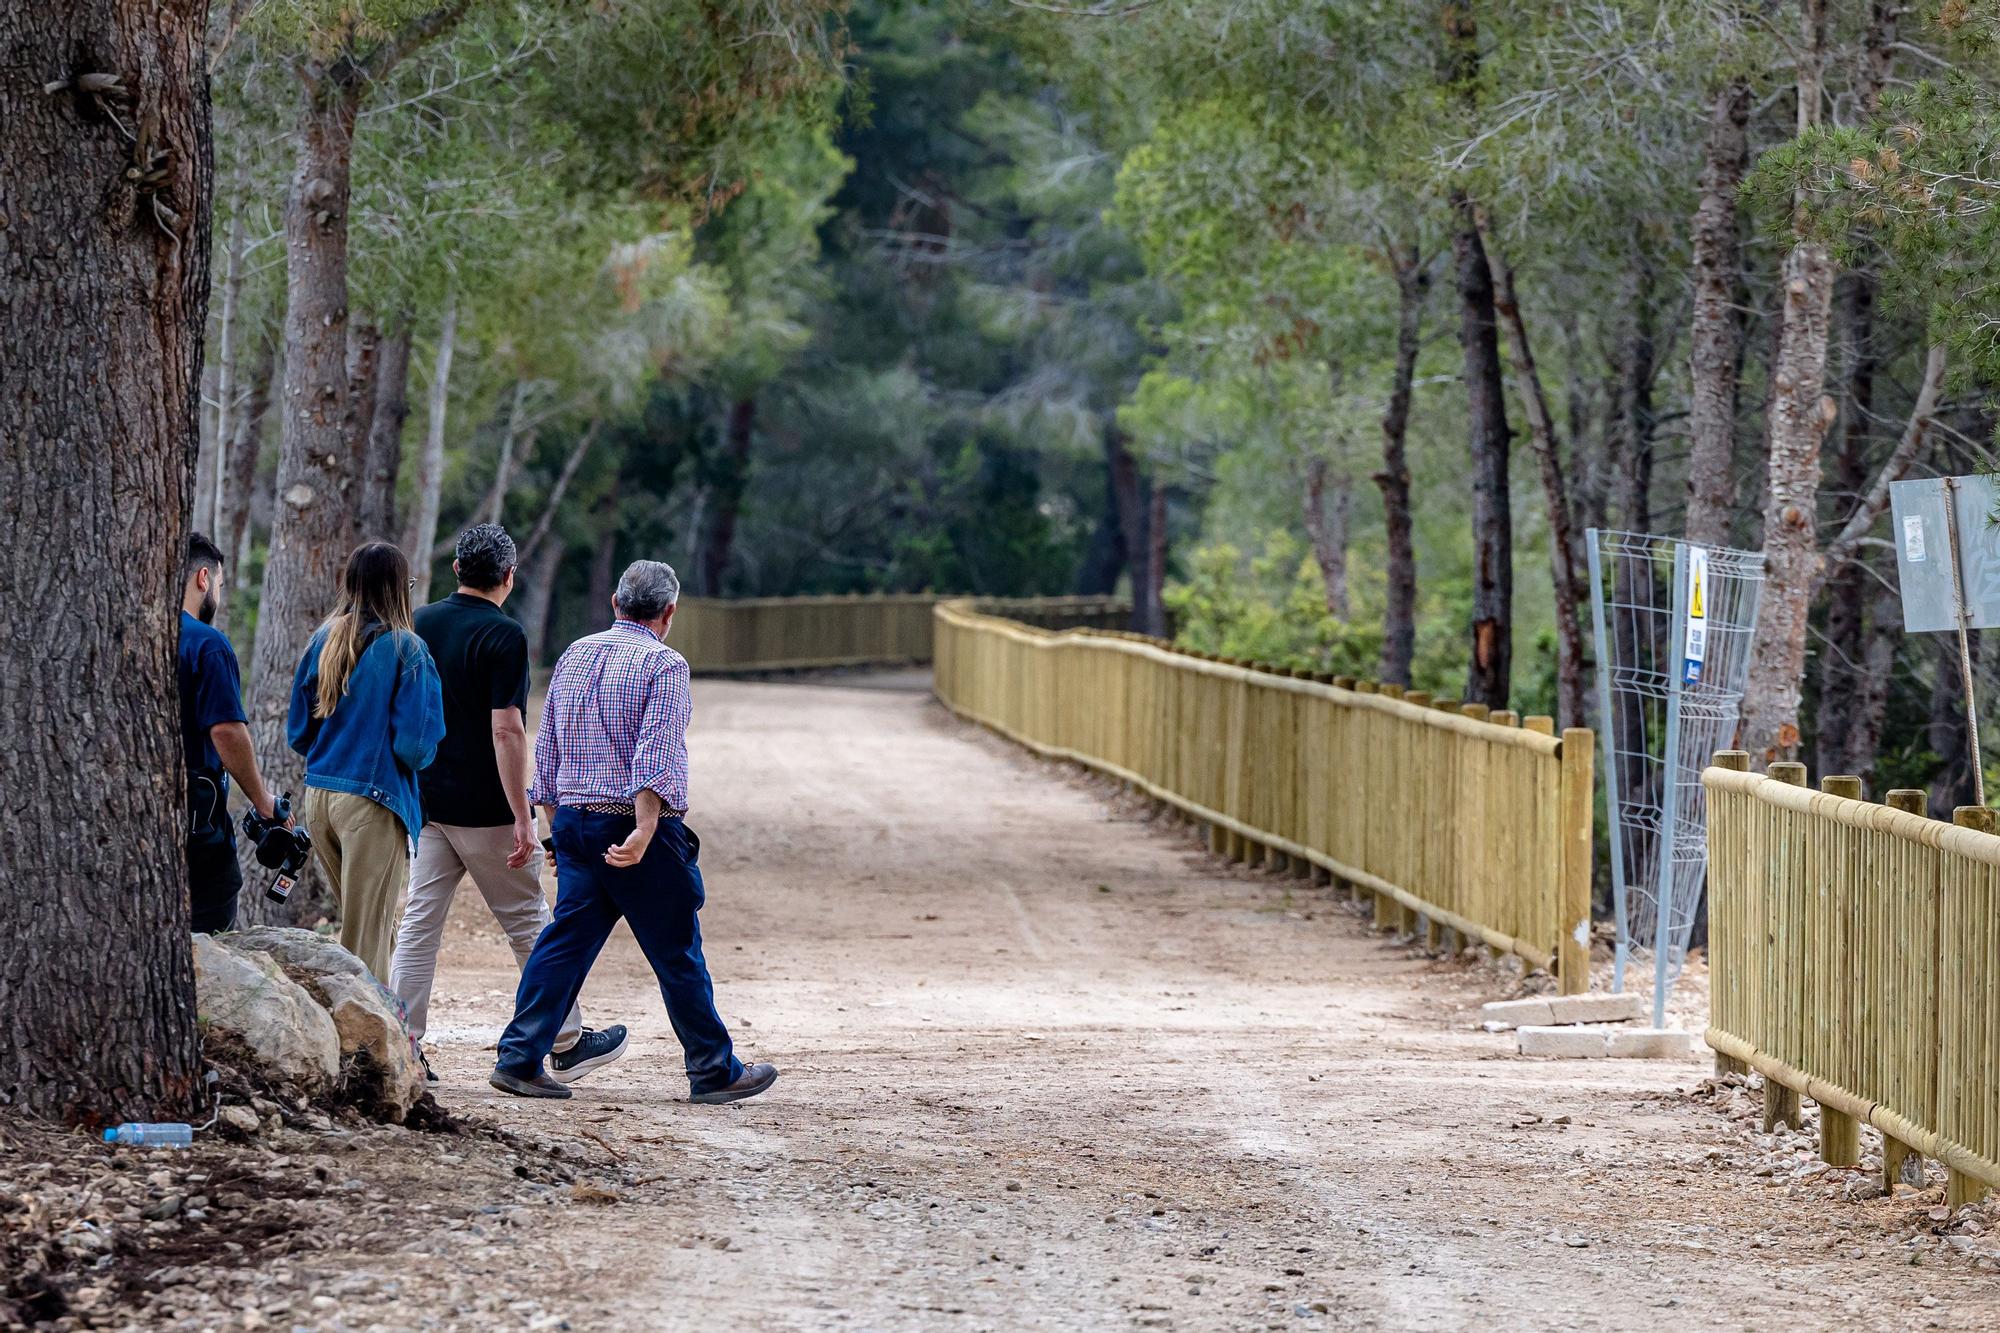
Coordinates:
x,y
800,633
1482,826
1854,955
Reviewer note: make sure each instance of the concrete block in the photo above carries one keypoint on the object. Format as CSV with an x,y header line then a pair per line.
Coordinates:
x,y
1564,1043
1515,1013
1626,1008
1650,1043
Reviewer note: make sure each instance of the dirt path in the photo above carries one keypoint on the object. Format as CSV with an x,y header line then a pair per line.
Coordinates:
x,y
1048,1065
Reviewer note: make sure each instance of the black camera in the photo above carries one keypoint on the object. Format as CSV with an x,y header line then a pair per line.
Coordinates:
x,y
283,849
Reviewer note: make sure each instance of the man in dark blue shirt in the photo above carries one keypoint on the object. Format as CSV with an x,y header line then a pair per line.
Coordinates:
x,y
215,737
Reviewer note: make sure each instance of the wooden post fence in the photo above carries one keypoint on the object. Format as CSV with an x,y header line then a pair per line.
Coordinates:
x,y
1477,826
1854,954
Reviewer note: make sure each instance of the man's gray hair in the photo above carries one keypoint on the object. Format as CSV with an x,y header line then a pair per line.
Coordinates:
x,y
647,588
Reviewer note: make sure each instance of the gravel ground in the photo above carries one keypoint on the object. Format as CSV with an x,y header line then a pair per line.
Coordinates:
x,y
1046,1065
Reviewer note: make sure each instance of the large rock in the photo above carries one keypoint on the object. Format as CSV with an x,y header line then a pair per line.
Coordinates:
x,y
248,1001
382,1069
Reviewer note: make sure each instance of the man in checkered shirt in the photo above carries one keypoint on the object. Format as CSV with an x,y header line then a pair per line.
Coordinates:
x,y
611,765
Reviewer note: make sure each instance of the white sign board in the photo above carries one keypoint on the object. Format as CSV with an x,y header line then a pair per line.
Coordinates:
x,y
1923,552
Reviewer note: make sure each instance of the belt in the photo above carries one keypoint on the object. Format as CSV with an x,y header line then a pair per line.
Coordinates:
x,y
620,808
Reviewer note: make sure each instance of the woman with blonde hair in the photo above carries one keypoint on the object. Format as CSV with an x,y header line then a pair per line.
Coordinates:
x,y
367,713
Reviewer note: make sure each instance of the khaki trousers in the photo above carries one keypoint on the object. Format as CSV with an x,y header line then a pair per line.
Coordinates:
x,y
445,854
367,860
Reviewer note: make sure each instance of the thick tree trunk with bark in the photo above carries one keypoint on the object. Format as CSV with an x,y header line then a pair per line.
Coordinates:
x,y
1328,499
726,499
1490,676
430,467
239,478
1716,331
311,525
1399,612
103,302
382,460
1799,417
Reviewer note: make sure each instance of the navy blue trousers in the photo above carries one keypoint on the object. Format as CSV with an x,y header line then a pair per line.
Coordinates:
x,y
660,897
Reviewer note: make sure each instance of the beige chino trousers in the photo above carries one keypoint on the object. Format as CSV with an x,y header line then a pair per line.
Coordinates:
x,y
367,858
446,853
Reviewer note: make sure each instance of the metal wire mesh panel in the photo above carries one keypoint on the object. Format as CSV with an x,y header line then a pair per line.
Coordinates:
x,y
1673,624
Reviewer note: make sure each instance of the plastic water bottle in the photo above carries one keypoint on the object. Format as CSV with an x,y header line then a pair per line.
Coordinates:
x,y
174,1135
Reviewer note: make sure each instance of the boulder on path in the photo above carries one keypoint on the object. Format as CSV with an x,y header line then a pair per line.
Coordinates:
x,y
248,1001
383,1071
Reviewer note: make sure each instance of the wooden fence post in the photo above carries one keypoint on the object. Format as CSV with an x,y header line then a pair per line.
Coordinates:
x,y
1573,885
1960,1188
1736,761
1839,1133
1911,801
1781,1104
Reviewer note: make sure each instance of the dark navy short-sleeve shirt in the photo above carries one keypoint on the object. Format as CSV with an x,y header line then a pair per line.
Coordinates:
x,y
211,690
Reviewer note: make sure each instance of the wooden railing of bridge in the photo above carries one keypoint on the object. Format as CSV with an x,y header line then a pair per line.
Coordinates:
x,y
1476,822
1854,958
766,634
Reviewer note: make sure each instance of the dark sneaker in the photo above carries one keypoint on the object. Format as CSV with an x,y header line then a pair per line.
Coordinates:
x,y
593,1050
430,1075
541,1085
755,1079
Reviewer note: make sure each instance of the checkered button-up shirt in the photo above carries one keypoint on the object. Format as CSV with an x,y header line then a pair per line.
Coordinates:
x,y
615,722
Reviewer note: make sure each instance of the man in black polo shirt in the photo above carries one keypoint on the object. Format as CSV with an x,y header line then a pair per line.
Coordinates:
x,y
476,816
215,739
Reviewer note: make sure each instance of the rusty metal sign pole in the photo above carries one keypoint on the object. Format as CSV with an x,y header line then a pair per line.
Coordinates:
x,y
1964,647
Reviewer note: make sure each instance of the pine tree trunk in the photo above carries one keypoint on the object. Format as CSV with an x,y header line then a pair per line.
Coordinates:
x,y
312,524
1567,583
430,470
1399,612
553,504
1799,417
1104,558
382,461
1715,334
1842,659
726,503
515,441
1328,500
239,480
1155,622
1490,676
603,568
1129,488
211,471
364,370
543,567
104,297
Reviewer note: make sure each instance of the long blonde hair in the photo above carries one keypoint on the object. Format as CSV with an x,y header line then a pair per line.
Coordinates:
x,y
374,590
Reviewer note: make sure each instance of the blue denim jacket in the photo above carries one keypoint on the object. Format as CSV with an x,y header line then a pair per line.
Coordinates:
x,y
379,736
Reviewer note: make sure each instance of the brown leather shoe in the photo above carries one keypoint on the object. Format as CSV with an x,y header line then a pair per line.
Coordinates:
x,y
755,1079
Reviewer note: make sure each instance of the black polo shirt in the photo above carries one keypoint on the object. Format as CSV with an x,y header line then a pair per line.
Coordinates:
x,y
482,661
